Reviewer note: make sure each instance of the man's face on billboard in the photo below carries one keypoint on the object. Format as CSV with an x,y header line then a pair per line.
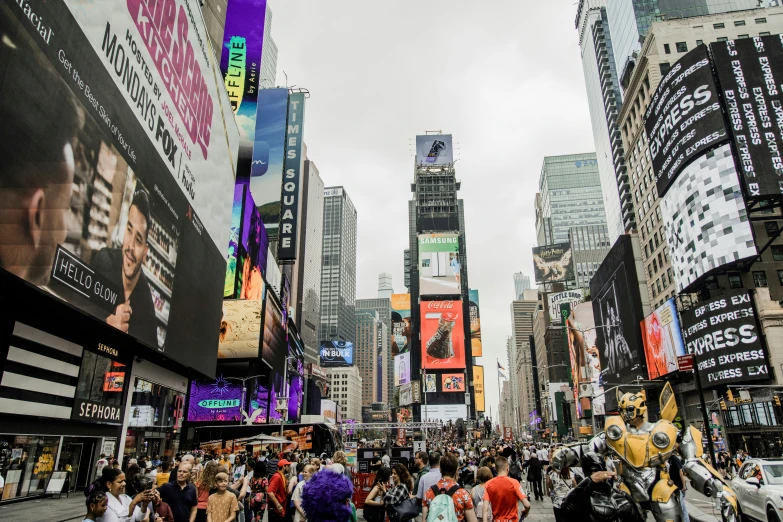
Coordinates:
x,y
134,244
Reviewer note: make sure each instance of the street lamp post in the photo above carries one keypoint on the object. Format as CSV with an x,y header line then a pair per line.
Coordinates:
x,y
243,380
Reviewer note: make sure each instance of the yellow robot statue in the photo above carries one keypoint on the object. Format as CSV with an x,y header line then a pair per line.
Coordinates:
x,y
640,449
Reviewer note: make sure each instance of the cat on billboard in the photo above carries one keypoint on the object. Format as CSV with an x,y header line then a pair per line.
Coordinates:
x,y
442,335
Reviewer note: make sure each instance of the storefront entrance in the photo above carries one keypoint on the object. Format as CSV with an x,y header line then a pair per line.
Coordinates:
x,y
75,459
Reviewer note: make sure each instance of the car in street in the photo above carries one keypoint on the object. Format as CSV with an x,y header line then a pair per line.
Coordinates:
x,y
759,489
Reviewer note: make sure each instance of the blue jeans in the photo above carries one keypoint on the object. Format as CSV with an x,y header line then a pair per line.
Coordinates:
x,y
685,517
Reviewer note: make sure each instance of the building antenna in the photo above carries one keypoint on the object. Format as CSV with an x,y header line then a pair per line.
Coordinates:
x,y
286,79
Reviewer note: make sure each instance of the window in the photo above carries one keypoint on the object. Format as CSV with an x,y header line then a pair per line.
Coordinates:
x,y
718,26
780,277
682,47
739,23
666,49
735,280
741,36
664,67
761,20
760,279
764,33
777,252
723,39
699,42
771,227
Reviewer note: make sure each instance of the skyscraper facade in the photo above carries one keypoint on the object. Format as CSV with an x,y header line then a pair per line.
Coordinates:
x,y
268,75
382,307
308,298
521,370
589,246
385,288
338,267
570,195
521,283
366,353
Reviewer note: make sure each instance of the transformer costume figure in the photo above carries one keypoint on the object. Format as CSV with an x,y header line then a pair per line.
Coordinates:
x,y
640,450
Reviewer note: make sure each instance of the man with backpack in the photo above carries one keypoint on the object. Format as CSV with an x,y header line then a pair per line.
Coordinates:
x,y
504,494
446,501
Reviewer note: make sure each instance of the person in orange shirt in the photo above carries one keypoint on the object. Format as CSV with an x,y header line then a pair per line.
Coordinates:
x,y
504,493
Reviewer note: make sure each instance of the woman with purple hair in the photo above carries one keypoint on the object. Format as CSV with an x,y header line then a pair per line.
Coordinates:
x,y
327,498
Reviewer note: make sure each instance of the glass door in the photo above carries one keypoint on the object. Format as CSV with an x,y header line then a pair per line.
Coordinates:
x,y
70,461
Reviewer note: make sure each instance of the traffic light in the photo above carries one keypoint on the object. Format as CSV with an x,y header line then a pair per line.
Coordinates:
x,y
730,395
777,400
723,405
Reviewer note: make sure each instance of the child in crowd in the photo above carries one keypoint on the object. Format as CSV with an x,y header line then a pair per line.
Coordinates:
x,y
222,506
96,505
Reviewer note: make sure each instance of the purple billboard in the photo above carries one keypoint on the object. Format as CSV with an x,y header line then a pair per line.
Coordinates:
x,y
215,400
247,249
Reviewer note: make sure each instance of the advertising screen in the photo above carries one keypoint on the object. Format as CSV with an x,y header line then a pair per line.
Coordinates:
x,y
329,411
275,347
553,263
406,394
617,309
684,118
705,219
662,339
429,383
439,264
453,382
434,150
240,329
444,412
723,335
295,378
478,387
750,71
259,402
442,335
247,249
475,323
133,187
400,323
402,369
215,400
570,297
336,353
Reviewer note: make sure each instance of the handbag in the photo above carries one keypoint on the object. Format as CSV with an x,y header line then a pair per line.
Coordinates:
x,y
408,509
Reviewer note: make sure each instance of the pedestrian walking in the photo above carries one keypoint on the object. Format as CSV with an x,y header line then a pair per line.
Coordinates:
x,y
477,494
504,495
277,491
205,484
447,485
307,474
181,496
534,476
560,484
431,477
374,505
258,491
677,478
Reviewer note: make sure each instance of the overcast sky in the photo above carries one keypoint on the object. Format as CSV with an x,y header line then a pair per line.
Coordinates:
x,y
503,76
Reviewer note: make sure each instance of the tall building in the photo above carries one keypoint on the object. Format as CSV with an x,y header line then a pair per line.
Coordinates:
x,y
589,246
570,195
521,283
385,288
521,370
382,306
366,353
268,75
406,266
506,408
609,33
338,267
345,388
308,297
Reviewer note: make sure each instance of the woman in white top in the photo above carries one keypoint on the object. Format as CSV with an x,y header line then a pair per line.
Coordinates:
x,y
120,507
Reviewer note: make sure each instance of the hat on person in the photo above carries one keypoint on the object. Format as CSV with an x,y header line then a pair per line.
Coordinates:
x,y
282,463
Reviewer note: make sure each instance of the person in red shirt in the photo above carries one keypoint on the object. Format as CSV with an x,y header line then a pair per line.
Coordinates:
x,y
503,494
463,503
276,493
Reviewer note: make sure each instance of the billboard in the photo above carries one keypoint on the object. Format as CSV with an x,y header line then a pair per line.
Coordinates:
x,y
478,387
329,411
294,161
295,363
274,347
475,323
434,150
662,339
553,263
266,171
439,264
617,309
705,219
444,412
215,400
429,383
684,118
336,353
128,200
247,249
240,329
400,324
723,335
571,297
406,394
402,368
750,72
442,335
453,382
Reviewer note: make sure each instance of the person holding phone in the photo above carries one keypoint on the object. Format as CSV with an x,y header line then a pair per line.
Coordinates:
x,y
119,506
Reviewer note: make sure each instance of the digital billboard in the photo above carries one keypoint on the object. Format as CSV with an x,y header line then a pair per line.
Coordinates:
x,y
617,310
750,71
571,297
684,118
402,369
215,400
444,412
336,353
292,173
123,207
295,377
662,339
329,411
553,263
400,323
439,264
275,346
475,323
247,249
406,394
723,336
434,150
705,219
240,329
442,335
429,383
478,387
452,382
